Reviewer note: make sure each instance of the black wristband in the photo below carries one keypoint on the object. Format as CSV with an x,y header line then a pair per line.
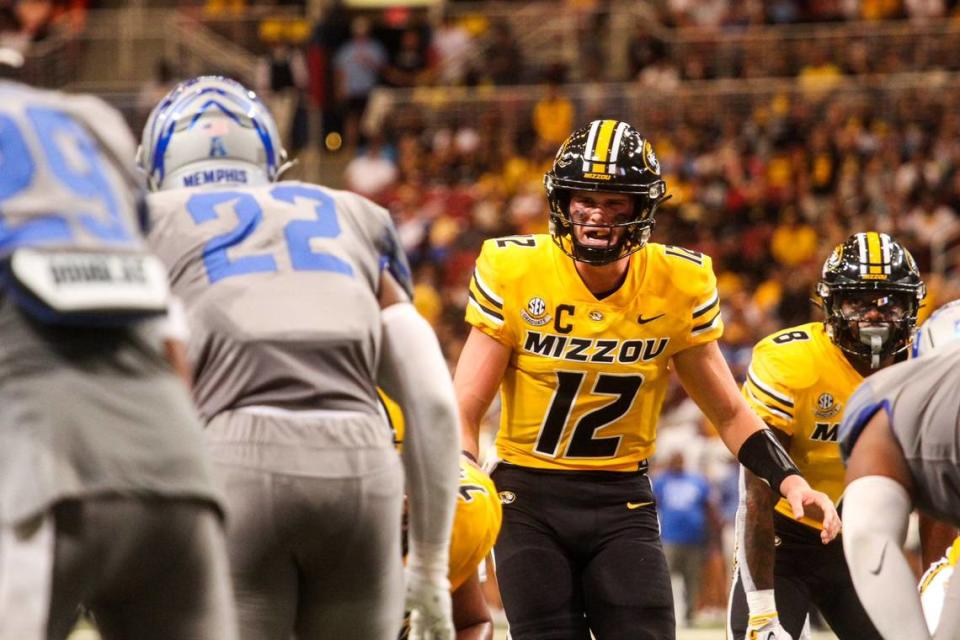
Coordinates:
x,y
470,456
766,458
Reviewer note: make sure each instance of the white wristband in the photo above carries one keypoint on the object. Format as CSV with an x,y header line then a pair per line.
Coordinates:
x,y
762,603
429,560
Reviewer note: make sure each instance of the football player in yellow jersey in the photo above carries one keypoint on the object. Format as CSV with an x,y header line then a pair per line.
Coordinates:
x,y
577,329
934,584
476,523
798,382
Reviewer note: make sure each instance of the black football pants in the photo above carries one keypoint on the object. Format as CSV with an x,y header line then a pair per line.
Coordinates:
x,y
573,557
807,572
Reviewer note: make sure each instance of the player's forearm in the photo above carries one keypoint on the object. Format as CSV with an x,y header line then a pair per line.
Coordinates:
x,y
471,415
483,362
707,380
736,423
471,615
876,509
415,374
757,448
479,631
758,537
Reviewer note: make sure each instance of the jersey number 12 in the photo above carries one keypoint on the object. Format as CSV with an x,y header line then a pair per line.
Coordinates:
x,y
582,443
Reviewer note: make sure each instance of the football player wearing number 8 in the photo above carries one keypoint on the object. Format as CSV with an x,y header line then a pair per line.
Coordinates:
x,y
298,300
577,329
799,382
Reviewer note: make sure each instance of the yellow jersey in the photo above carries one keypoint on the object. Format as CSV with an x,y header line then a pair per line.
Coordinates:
x,y
477,519
934,584
587,376
798,382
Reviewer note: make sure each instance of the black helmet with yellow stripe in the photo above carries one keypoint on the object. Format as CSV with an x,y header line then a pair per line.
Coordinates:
x,y
871,291
605,156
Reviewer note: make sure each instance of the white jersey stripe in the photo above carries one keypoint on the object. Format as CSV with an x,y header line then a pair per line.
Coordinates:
x,y
781,397
768,407
709,303
713,323
485,289
492,318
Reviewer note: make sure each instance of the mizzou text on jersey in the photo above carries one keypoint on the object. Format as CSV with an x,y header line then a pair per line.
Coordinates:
x,y
589,375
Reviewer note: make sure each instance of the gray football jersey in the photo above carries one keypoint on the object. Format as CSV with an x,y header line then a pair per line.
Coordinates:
x,y
83,410
67,172
921,398
280,287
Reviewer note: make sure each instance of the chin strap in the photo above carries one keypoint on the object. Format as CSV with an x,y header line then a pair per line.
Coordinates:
x,y
874,337
875,344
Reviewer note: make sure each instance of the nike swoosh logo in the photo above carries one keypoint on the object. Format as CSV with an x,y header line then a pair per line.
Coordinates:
x,y
637,505
883,553
642,320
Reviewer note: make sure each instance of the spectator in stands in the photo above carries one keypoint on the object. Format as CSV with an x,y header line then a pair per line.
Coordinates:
x,y
661,75
504,64
553,113
644,49
220,8
698,13
357,65
688,522
924,10
794,242
452,45
372,171
330,32
154,89
413,64
283,80
821,73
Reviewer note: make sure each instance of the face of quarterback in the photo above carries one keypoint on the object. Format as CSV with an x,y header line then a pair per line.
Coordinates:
x,y
593,214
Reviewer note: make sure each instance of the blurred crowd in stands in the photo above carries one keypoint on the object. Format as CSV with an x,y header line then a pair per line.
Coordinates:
x,y
29,21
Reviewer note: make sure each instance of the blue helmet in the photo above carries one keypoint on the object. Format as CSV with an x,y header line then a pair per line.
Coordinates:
x,y
210,130
941,328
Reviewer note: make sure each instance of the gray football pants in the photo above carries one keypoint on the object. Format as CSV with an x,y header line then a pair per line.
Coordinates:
x,y
313,523
149,569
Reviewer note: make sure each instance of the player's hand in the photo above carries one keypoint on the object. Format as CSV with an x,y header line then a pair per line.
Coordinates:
x,y
428,601
766,628
815,504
